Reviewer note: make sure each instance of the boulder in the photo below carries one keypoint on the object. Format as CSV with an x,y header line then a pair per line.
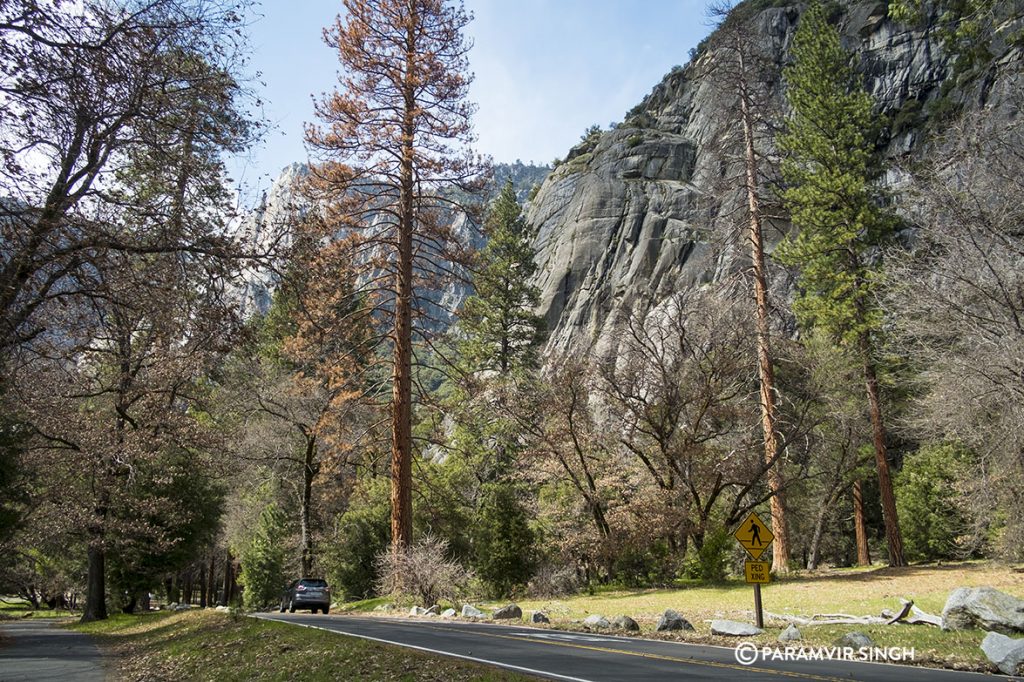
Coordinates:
x,y
671,620
596,620
508,612
221,608
732,628
983,608
790,634
540,617
182,607
1005,652
855,640
470,611
626,623
449,613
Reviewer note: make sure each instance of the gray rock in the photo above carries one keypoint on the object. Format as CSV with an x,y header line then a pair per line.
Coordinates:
x,y
469,611
790,634
855,640
732,628
417,611
432,611
182,607
221,608
1005,652
449,613
983,608
508,612
626,623
540,617
671,620
596,620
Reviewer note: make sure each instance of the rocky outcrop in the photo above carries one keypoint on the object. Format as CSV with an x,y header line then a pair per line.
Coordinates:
x,y
642,211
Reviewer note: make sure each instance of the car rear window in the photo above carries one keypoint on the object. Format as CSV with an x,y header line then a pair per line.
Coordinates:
x,y
313,583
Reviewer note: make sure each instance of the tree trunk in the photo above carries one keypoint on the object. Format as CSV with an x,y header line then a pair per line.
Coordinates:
x,y
211,587
401,416
861,533
95,583
225,598
309,471
766,373
202,586
819,530
893,537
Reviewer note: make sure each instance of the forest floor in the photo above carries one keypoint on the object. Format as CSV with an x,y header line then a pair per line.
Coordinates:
x,y
214,645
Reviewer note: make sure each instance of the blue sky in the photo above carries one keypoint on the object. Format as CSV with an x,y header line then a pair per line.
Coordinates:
x,y
545,70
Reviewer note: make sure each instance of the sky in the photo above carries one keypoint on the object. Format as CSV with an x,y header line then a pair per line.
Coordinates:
x,y
545,71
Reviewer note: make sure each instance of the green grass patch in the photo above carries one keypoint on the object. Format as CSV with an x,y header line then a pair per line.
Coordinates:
x,y
212,645
12,608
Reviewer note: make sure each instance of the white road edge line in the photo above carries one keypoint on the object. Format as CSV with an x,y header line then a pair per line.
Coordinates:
x,y
474,659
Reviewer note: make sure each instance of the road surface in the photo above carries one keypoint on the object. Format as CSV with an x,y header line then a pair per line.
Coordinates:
x,y
582,657
40,652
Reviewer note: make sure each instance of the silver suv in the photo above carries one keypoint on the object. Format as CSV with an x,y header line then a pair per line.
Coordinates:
x,y
308,593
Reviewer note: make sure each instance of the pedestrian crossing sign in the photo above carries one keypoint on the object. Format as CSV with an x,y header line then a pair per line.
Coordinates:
x,y
753,535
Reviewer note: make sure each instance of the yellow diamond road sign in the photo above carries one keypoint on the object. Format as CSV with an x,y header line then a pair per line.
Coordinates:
x,y
754,535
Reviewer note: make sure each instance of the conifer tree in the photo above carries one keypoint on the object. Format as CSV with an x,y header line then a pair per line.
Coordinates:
x,y
395,138
830,167
501,331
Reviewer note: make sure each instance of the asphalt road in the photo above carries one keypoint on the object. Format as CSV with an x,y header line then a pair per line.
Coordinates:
x,y
39,652
581,657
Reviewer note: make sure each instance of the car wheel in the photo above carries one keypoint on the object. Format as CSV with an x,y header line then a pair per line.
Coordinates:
x,y
313,610
326,609
282,607
291,607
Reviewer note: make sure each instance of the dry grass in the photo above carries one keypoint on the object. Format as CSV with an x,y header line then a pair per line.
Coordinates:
x,y
850,591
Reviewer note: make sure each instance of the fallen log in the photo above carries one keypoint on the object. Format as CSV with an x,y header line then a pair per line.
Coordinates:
x,y
908,614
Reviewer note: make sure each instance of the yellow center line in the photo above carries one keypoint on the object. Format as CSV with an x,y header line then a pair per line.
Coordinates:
x,y
640,654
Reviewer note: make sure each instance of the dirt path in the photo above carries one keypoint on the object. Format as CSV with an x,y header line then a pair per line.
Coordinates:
x,y
36,650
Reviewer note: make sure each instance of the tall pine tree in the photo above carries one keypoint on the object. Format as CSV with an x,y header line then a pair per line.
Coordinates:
x,y
501,331
830,167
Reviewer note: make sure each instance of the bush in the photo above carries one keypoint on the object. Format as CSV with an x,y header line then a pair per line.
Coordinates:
x,y
362,533
263,560
553,580
424,572
929,504
503,543
710,561
644,566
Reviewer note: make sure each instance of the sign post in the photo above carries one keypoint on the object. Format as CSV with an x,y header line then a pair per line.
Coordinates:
x,y
755,537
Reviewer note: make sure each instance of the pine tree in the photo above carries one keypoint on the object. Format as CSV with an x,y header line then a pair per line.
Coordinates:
x,y
500,330
830,167
395,138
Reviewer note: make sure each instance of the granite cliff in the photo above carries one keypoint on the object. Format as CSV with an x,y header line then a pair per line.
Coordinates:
x,y
632,213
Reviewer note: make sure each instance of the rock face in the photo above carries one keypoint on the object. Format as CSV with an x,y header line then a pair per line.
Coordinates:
x,y
983,608
470,611
855,640
1005,652
790,634
732,628
508,612
639,212
625,623
596,620
671,620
